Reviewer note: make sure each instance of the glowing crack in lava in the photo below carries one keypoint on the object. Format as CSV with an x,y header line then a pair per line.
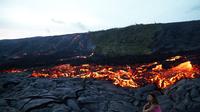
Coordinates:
x,y
124,76
13,70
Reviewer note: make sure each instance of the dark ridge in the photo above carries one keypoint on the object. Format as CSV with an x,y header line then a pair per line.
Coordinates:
x,y
133,44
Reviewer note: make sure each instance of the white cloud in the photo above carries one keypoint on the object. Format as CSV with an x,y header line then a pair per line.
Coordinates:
x,y
52,17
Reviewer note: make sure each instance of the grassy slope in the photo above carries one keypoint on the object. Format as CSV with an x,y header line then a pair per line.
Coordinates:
x,y
147,39
133,40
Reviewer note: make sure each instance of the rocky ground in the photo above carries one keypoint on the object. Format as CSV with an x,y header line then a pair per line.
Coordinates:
x,y
19,93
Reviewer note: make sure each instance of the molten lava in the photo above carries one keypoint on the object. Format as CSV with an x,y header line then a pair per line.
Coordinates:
x,y
13,70
125,76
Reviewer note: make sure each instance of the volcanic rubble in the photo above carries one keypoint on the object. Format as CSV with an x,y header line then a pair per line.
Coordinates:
x,y
20,93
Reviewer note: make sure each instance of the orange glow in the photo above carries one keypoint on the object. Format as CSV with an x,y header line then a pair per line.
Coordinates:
x,y
186,66
174,58
125,76
13,70
157,68
165,78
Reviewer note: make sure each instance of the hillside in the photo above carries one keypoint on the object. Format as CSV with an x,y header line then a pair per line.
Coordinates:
x,y
148,39
128,44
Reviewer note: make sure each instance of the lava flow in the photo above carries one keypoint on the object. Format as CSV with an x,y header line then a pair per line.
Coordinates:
x,y
126,76
13,70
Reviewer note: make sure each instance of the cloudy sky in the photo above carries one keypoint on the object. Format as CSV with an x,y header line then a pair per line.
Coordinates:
x,y
27,18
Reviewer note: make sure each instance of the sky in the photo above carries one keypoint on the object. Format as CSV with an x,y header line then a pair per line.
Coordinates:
x,y
29,18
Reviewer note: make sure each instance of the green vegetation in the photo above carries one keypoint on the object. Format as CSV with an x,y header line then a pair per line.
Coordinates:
x,y
132,40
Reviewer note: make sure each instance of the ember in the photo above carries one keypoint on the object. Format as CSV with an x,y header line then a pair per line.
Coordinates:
x,y
125,76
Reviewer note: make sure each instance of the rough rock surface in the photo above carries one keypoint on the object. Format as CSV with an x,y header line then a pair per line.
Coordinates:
x,y
19,93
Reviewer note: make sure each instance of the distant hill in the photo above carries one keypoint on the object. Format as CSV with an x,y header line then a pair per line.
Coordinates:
x,y
130,42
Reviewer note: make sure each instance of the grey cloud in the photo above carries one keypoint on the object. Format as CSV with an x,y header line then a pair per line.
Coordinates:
x,y
80,26
57,21
77,25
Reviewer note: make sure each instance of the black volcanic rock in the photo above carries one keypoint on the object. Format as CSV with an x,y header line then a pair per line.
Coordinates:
x,y
19,93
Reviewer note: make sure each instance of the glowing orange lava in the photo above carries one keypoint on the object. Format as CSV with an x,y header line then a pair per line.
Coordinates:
x,y
13,70
165,78
125,76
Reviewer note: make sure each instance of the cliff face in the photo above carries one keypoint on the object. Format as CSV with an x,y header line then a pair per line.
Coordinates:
x,y
136,40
